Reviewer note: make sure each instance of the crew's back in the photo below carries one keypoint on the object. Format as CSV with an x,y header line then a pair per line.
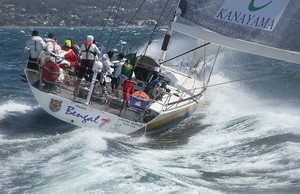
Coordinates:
x,y
89,50
88,53
35,45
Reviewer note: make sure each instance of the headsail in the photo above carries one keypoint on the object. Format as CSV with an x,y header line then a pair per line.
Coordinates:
x,y
269,28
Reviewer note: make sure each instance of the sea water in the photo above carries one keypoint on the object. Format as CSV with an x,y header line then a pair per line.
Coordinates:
x,y
245,138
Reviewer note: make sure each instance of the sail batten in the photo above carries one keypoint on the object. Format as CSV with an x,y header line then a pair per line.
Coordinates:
x,y
262,27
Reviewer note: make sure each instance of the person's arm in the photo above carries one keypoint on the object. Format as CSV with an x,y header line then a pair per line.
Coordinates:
x,y
118,70
43,44
82,48
49,49
97,51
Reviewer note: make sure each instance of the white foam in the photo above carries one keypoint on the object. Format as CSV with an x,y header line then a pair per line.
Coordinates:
x,y
65,156
230,101
79,161
12,106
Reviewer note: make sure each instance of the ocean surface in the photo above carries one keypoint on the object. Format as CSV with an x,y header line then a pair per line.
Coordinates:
x,y
245,138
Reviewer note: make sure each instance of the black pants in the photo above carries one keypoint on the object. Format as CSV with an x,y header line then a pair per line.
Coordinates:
x,y
99,75
114,84
86,69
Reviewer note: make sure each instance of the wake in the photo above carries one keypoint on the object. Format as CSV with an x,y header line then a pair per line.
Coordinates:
x,y
12,107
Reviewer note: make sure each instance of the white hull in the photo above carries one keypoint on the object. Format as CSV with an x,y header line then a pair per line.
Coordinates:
x,y
115,119
86,116
83,115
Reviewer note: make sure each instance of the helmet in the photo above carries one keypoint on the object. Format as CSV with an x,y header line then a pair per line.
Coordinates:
x,y
90,38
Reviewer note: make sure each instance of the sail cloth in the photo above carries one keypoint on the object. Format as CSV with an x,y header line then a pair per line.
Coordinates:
x,y
269,28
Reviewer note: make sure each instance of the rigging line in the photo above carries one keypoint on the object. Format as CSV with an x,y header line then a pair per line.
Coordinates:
x,y
155,32
188,77
204,62
112,30
158,22
129,22
185,53
237,80
161,27
202,58
193,66
108,16
152,35
212,68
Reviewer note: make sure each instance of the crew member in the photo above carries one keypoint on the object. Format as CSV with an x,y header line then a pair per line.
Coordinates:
x,y
88,53
117,76
34,47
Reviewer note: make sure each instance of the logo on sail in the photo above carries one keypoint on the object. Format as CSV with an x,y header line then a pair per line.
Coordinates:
x,y
252,7
262,14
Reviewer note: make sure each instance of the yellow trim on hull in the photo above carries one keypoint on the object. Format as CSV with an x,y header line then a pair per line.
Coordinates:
x,y
172,117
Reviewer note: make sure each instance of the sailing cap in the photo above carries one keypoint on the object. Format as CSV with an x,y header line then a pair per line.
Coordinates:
x,y
90,38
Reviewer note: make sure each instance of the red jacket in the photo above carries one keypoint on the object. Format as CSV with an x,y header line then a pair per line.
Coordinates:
x,y
70,56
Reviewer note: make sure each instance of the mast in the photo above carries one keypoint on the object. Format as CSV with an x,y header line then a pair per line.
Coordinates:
x,y
167,39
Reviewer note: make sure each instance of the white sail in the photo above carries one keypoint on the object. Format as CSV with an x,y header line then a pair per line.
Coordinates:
x,y
273,32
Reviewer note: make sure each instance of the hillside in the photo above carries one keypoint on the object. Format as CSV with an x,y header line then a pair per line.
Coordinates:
x,y
81,13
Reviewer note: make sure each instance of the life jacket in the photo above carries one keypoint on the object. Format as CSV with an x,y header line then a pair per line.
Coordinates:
x,y
52,42
140,100
141,95
87,49
54,47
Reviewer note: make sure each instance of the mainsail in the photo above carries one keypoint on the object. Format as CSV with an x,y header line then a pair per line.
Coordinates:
x,y
269,28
